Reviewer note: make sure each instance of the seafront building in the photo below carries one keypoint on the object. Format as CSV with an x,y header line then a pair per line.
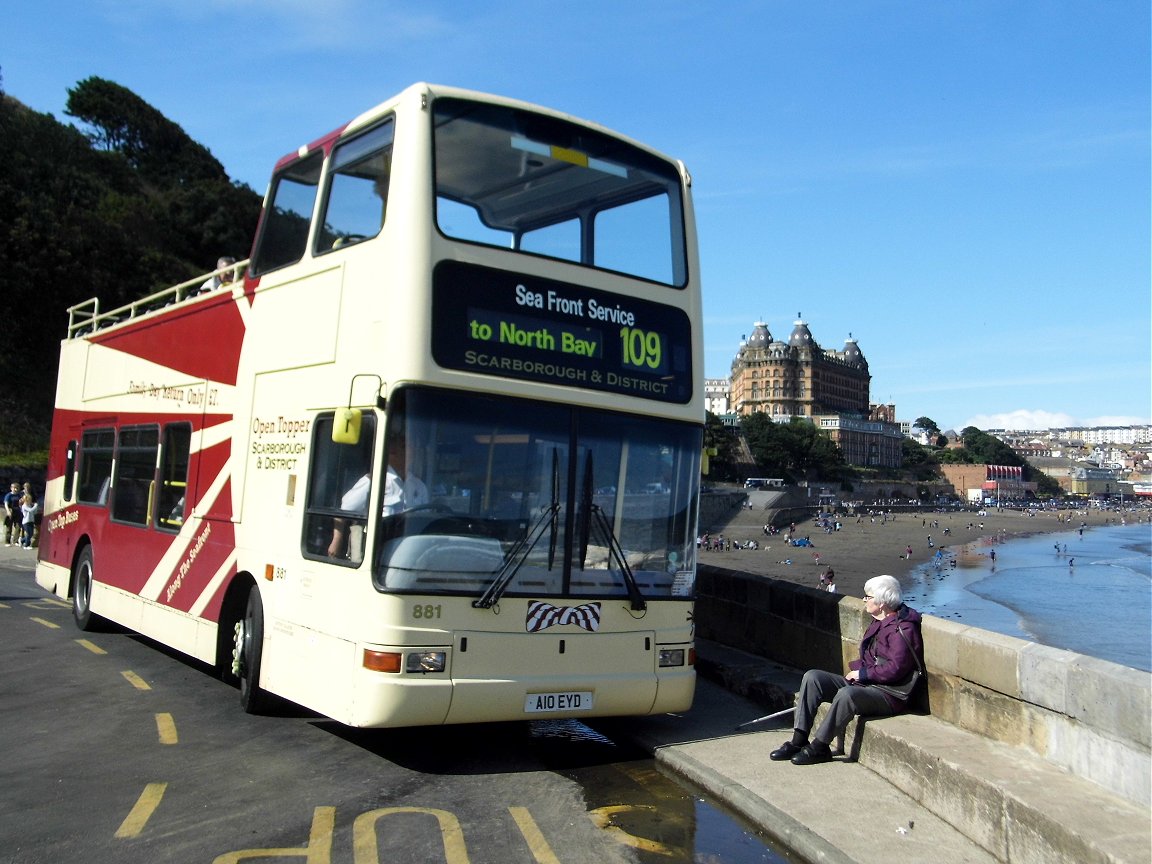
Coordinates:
x,y
1089,462
799,378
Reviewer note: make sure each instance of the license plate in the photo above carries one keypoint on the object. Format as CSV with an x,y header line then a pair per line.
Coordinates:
x,y
535,703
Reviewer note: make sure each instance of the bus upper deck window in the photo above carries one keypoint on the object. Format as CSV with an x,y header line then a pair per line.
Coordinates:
x,y
284,229
357,196
541,184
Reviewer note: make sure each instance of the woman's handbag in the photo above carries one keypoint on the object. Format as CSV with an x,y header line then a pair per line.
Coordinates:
x,y
903,690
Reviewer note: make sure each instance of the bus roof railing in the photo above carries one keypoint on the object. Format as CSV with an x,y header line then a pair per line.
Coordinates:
x,y
86,317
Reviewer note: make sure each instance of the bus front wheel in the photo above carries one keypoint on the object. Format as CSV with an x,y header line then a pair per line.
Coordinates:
x,y
82,579
246,652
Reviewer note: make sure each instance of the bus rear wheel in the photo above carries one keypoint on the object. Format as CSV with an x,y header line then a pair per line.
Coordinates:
x,y
82,579
246,654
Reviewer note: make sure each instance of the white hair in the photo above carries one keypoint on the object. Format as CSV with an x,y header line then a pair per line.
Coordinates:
x,y
885,590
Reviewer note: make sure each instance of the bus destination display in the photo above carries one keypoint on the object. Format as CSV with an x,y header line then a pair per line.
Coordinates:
x,y
496,323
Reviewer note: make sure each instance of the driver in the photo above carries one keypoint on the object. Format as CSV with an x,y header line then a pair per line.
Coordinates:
x,y
402,491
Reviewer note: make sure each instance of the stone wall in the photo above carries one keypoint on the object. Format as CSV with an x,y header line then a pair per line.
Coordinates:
x,y
1089,716
717,508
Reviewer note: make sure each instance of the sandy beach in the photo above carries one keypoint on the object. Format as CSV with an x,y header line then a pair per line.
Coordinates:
x,y
866,546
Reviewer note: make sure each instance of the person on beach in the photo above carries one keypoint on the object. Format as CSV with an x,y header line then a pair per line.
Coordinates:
x,y
827,578
879,683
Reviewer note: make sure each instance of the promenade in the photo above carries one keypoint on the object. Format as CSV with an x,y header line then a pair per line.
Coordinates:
x,y
911,789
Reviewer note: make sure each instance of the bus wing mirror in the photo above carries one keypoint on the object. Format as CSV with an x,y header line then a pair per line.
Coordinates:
x,y
346,426
346,423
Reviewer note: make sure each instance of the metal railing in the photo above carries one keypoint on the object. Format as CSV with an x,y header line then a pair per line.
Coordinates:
x,y
86,317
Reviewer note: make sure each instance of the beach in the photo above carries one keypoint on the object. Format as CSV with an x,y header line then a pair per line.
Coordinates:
x,y
868,545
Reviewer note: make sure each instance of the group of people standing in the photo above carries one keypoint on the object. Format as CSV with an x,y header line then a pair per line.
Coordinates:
x,y
20,512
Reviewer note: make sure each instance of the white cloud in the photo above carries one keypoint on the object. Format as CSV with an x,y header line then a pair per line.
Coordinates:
x,y
1117,420
1023,419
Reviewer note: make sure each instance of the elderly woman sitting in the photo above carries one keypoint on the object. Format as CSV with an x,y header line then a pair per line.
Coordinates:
x,y
877,685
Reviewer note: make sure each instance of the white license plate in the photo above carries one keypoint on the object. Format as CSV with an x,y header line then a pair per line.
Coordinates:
x,y
534,703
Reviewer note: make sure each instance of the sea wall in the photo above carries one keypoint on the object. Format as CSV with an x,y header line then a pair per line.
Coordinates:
x,y
1089,716
716,508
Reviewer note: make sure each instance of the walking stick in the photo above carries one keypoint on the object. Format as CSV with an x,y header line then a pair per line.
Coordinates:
x,y
767,717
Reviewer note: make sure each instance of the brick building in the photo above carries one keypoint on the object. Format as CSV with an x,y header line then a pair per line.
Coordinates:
x,y
797,378
976,482
829,388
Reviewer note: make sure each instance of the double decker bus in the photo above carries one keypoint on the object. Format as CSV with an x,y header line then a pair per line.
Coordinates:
x,y
433,456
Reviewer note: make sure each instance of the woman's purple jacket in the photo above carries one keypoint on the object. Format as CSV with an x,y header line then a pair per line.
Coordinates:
x,y
885,655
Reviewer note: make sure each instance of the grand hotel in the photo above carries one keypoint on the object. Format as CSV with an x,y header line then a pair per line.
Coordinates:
x,y
798,378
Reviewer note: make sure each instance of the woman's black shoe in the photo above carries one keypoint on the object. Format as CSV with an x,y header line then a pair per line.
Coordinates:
x,y
785,752
810,755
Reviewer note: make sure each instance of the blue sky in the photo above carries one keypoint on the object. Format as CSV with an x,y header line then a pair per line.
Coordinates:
x,y
962,186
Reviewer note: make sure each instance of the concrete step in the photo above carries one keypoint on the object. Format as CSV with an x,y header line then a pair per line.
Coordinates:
x,y
1006,800
1009,801
836,813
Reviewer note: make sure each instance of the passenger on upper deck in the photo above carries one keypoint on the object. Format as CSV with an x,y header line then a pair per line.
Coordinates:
x,y
220,279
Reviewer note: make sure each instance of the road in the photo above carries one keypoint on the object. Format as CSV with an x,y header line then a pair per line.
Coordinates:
x,y
116,750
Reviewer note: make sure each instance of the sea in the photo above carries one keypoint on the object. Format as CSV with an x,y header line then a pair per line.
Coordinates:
x,y
1086,591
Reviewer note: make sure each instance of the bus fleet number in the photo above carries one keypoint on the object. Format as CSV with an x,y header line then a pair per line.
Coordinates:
x,y
426,610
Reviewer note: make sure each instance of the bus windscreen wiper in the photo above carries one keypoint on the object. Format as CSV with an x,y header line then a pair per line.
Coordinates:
x,y
615,551
523,547
593,512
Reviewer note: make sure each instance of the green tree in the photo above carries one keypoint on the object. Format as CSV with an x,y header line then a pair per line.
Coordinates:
x,y
145,208
988,449
793,449
814,454
121,122
191,209
769,444
929,426
722,439
919,461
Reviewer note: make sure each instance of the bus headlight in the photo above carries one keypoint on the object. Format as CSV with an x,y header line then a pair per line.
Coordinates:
x,y
423,662
671,656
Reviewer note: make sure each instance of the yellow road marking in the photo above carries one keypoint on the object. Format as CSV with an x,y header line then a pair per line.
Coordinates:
x,y
539,847
145,806
166,726
318,850
48,624
47,603
365,849
91,646
135,680
602,818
